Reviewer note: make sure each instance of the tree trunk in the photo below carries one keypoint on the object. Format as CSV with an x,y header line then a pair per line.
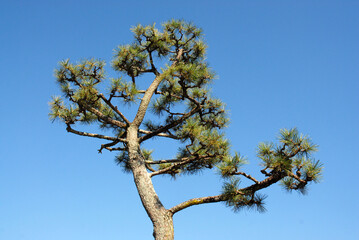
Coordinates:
x,y
159,215
163,229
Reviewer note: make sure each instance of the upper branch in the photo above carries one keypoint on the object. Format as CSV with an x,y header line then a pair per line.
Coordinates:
x,y
114,108
158,134
106,118
162,129
247,176
165,161
153,68
149,93
174,166
275,177
181,162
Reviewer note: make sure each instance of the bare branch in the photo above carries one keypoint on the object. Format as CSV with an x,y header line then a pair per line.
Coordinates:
x,y
114,108
165,161
94,135
108,146
106,118
197,201
263,171
148,166
159,134
275,177
247,176
296,177
153,68
115,149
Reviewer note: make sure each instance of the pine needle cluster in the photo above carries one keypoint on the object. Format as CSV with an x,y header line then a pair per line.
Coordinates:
x,y
288,162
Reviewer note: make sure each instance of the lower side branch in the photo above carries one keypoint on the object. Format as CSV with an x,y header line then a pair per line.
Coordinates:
x,y
225,197
197,201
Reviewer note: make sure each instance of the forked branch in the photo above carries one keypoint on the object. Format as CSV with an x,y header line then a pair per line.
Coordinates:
x,y
114,108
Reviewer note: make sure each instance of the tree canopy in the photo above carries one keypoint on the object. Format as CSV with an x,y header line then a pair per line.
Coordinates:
x,y
164,73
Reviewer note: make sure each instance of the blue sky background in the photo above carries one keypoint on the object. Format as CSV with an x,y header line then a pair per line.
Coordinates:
x,y
280,64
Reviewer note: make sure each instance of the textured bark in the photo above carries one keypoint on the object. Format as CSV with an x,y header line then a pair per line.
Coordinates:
x,y
159,215
163,229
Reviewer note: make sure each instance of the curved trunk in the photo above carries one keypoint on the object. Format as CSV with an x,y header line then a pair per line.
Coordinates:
x,y
159,215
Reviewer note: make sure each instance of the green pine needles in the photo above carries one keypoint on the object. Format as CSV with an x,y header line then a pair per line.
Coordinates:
x,y
289,162
171,63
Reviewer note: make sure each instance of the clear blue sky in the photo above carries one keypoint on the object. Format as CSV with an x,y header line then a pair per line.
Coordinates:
x,y
280,64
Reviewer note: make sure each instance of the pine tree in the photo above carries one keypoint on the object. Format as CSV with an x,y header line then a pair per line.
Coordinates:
x,y
182,109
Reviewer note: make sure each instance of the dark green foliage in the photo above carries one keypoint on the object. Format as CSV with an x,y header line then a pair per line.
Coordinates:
x,y
122,160
230,165
242,199
124,90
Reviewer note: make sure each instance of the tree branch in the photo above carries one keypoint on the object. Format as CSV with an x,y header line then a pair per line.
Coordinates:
x,y
296,177
159,134
94,135
108,145
114,108
223,197
106,118
148,95
153,68
165,161
181,162
275,177
171,125
247,176
115,149
197,201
